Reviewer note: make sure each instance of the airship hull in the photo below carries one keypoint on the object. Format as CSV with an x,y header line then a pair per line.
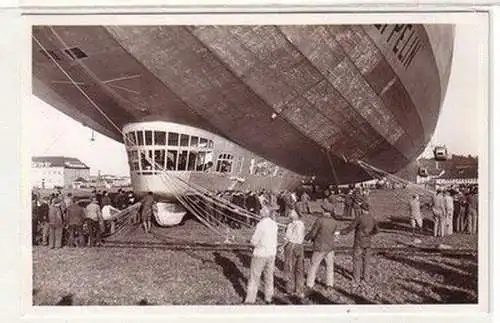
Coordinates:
x,y
311,99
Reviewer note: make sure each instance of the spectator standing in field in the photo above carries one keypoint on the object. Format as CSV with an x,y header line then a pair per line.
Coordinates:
x,y
348,203
322,236
43,220
265,242
56,224
67,200
472,211
96,223
106,200
99,197
439,212
294,255
120,200
415,214
459,212
289,203
448,206
302,206
34,220
327,204
305,197
365,227
74,218
131,200
252,203
147,211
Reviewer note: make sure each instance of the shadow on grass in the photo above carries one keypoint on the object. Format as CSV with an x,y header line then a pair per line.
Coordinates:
x,y
343,271
451,277
397,224
448,295
318,298
357,298
232,273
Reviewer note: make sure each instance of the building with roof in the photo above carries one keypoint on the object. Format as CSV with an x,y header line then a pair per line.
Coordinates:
x,y
57,171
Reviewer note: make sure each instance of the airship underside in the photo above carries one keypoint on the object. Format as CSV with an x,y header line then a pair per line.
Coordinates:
x,y
309,98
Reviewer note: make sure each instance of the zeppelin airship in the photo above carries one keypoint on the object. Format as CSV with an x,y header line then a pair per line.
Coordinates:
x,y
250,106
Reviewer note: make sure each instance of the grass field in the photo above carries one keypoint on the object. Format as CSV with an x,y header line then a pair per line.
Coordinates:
x,y
129,276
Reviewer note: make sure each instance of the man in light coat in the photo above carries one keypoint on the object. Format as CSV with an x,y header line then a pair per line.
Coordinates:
x,y
265,243
415,214
449,209
438,211
93,212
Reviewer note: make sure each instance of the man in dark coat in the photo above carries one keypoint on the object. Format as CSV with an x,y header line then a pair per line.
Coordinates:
x,y
56,224
364,226
34,221
106,200
147,211
43,220
120,200
348,204
74,221
322,236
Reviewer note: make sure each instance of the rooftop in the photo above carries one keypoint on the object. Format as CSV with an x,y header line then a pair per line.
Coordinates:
x,y
58,161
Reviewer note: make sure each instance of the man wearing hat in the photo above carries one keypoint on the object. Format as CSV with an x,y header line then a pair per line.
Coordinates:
x,y
265,243
364,226
322,236
438,209
96,222
56,223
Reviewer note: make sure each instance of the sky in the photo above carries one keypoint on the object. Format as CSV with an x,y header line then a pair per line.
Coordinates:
x,y
50,132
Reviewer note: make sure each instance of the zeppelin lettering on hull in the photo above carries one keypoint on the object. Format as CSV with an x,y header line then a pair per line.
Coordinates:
x,y
404,40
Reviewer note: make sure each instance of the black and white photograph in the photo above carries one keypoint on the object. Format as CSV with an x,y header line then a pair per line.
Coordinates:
x,y
266,162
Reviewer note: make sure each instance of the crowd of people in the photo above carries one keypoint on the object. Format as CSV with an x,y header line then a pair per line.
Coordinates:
x,y
59,220
63,220
455,210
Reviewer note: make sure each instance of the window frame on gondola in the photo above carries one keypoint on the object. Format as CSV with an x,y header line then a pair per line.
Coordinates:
x,y
173,139
224,161
144,161
160,144
160,138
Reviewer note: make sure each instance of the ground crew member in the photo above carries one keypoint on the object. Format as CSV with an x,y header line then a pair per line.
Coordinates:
x,y
265,243
294,255
365,227
322,236
415,214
